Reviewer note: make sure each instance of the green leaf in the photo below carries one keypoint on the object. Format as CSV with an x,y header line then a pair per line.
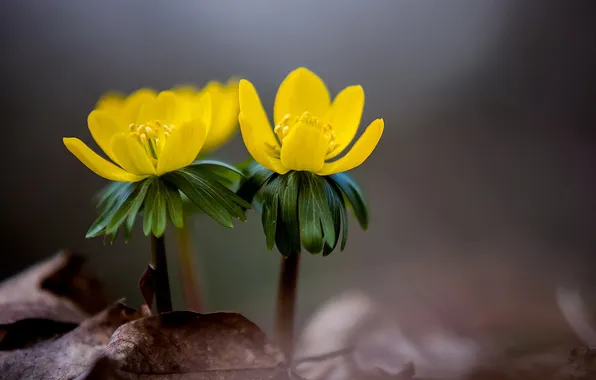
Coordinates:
x,y
98,227
148,208
231,197
309,215
343,214
214,164
289,189
213,198
174,204
109,194
316,221
136,206
111,200
256,177
159,208
226,174
354,196
269,214
138,195
283,241
336,205
246,166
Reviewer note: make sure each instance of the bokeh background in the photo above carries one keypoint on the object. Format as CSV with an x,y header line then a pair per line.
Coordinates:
x,y
482,189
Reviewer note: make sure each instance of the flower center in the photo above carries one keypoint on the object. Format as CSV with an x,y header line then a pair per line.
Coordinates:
x,y
288,122
152,136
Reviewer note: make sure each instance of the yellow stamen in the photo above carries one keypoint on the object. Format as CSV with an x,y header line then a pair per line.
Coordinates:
x,y
152,135
283,128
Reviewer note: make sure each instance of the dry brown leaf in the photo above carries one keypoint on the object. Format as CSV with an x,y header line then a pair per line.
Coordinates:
x,y
53,289
350,337
49,298
185,345
70,355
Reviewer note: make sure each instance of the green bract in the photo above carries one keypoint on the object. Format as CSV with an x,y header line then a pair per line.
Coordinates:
x,y
161,197
301,209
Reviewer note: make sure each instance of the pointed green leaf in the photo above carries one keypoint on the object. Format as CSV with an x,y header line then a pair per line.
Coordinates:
x,y
269,214
283,241
310,224
234,203
316,220
335,201
226,174
109,194
200,193
174,204
343,213
246,166
137,205
218,165
159,208
112,201
288,203
256,177
137,197
231,201
98,227
148,210
354,196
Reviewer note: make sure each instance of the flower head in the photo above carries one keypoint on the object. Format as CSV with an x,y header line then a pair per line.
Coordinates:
x,y
310,131
146,134
153,140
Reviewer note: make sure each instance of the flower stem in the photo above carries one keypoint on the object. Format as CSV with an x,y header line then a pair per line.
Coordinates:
x,y
286,303
163,299
190,283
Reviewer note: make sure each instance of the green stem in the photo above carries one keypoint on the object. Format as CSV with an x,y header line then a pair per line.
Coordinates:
x,y
190,283
163,299
286,303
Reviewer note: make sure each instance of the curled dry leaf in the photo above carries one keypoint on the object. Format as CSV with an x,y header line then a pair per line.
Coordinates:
x,y
187,345
350,338
70,355
49,298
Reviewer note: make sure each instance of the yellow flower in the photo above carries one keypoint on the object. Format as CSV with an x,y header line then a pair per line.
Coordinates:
x,y
145,134
224,113
309,130
224,108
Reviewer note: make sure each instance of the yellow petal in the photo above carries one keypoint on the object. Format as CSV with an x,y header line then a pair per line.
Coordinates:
x,y
301,91
304,148
182,146
165,107
359,152
103,127
202,108
134,102
110,100
185,90
252,109
131,155
344,115
257,148
225,118
97,164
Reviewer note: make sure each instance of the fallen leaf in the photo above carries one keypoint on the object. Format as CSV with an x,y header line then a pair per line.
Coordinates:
x,y
349,337
70,355
187,345
49,298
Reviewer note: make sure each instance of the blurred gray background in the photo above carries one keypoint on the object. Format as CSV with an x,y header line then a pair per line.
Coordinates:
x,y
482,189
